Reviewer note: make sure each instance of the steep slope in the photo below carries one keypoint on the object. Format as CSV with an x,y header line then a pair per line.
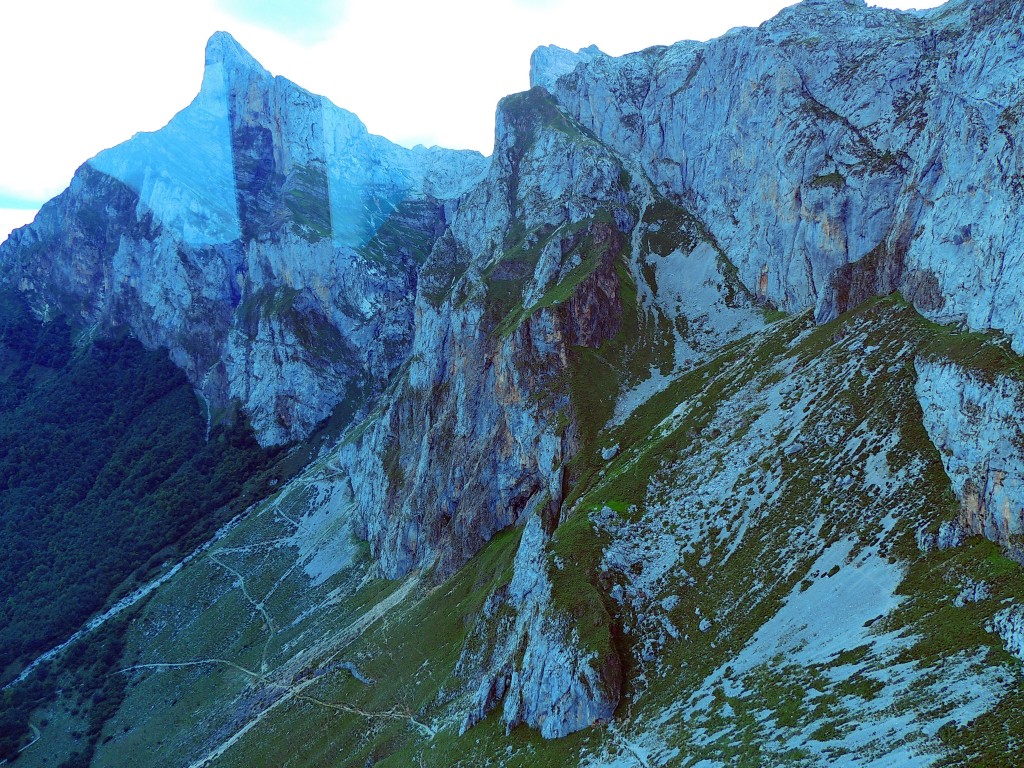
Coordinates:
x,y
772,564
598,507
263,237
760,547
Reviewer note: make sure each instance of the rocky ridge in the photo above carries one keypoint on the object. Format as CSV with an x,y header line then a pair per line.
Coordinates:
x,y
836,152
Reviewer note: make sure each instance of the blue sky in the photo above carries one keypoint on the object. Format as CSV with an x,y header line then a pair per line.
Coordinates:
x,y
83,76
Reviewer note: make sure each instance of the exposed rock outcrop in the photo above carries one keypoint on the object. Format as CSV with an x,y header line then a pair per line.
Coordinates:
x,y
1009,625
977,427
950,534
534,668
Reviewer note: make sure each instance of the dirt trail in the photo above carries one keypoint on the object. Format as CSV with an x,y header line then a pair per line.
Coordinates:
x,y
126,602
258,606
36,736
294,691
339,641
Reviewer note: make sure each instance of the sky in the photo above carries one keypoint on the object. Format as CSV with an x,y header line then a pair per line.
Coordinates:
x,y
79,77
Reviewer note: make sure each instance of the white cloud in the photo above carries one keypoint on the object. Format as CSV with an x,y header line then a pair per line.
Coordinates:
x,y
308,21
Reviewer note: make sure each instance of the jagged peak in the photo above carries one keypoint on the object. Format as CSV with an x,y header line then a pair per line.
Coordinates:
x,y
223,49
550,62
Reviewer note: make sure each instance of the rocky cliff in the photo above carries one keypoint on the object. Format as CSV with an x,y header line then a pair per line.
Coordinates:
x,y
978,429
531,270
525,271
836,152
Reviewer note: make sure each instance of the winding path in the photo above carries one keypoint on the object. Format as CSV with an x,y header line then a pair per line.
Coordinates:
x,y
295,691
125,602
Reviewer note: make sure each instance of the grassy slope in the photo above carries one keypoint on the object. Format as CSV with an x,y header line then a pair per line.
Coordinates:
x,y
743,523
846,391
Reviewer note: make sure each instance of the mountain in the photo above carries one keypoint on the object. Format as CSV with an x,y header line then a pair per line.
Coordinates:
x,y
262,237
683,430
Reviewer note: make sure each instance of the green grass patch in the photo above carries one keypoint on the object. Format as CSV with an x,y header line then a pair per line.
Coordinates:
x,y
833,180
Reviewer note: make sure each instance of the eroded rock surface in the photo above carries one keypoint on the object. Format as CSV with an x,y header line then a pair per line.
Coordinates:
x,y
836,152
977,427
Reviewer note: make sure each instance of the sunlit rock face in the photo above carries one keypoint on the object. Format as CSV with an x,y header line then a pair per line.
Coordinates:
x,y
837,151
263,236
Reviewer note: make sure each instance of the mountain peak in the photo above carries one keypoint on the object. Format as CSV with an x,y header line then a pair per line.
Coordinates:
x,y
223,49
550,62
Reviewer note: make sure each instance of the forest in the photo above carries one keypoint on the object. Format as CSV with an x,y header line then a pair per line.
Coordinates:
x,y
105,476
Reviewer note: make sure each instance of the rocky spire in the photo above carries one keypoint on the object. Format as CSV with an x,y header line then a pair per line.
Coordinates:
x,y
223,49
549,62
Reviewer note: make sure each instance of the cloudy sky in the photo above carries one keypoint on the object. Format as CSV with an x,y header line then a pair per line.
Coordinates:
x,y
82,76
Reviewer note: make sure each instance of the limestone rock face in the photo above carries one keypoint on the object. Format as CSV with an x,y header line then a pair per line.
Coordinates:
x,y
838,151
977,427
1009,625
479,425
525,271
536,670
478,429
263,237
